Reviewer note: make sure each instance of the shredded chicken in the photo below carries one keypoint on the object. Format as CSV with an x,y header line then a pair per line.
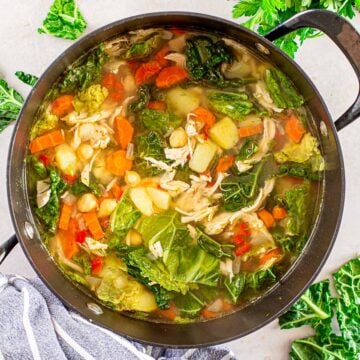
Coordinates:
x,y
43,192
178,59
226,268
85,173
263,97
211,191
156,249
158,163
173,187
180,156
79,118
93,246
198,215
242,167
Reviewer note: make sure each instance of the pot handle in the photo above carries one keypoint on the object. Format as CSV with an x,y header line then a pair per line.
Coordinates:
x,y
7,246
341,32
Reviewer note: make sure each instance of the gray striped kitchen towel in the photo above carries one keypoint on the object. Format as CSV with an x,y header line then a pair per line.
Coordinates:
x,y
34,324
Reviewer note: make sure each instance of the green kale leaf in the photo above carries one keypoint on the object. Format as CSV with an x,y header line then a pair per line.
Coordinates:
x,y
143,98
235,286
235,105
49,213
122,219
10,104
144,48
247,150
78,188
300,170
84,73
159,121
27,78
282,90
150,144
213,247
241,190
64,20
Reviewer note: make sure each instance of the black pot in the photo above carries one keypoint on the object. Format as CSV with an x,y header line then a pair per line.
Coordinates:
x,y
325,226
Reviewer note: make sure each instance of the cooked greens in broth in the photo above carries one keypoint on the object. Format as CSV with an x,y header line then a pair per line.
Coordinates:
x,y
174,174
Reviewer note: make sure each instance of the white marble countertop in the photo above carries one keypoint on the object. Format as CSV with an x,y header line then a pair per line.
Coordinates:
x,y
21,48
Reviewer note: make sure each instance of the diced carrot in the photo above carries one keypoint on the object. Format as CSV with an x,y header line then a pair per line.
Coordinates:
x,y
146,72
108,80
157,105
266,217
243,249
124,131
169,314
70,179
205,116
92,222
225,163
117,191
160,56
47,141
294,129
62,105
227,306
96,264
65,215
117,163
114,85
247,131
170,76
207,314
279,212
269,255
68,239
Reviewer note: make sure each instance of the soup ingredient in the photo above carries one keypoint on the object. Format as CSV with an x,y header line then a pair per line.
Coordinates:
x,y
266,218
122,219
133,238
28,79
121,290
203,154
49,213
68,240
246,131
224,133
160,198
142,200
142,98
64,20
86,72
241,190
205,116
93,225
132,178
183,101
87,202
294,129
282,90
65,215
10,104
315,308
279,212
107,206
47,141
159,121
62,105
66,159
146,72
212,246
117,163
225,163
90,99
178,138
234,105
298,170
124,131
247,150
171,76
144,48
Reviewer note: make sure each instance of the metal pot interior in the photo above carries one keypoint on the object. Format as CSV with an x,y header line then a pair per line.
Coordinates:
x,y
231,326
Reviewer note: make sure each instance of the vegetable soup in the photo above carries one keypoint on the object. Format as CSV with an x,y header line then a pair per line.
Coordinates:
x,y
174,174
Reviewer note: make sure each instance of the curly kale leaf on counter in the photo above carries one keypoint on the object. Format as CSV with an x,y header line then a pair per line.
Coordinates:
x,y
265,15
64,20
28,79
10,104
317,308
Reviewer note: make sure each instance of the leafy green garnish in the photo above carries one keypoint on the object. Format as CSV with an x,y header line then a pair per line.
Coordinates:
x,y
213,247
122,220
235,105
236,286
27,78
64,20
78,188
159,121
240,191
282,90
144,48
265,15
83,260
150,144
204,57
315,308
49,213
247,150
298,170
10,104
83,74
143,98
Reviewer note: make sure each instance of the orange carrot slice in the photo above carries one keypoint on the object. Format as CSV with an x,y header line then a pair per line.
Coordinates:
x,y
47,141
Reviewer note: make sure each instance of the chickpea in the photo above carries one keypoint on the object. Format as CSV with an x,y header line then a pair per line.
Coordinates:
x,y
86,131
87,202
178,138
133,238
132,178
85,152
107,206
